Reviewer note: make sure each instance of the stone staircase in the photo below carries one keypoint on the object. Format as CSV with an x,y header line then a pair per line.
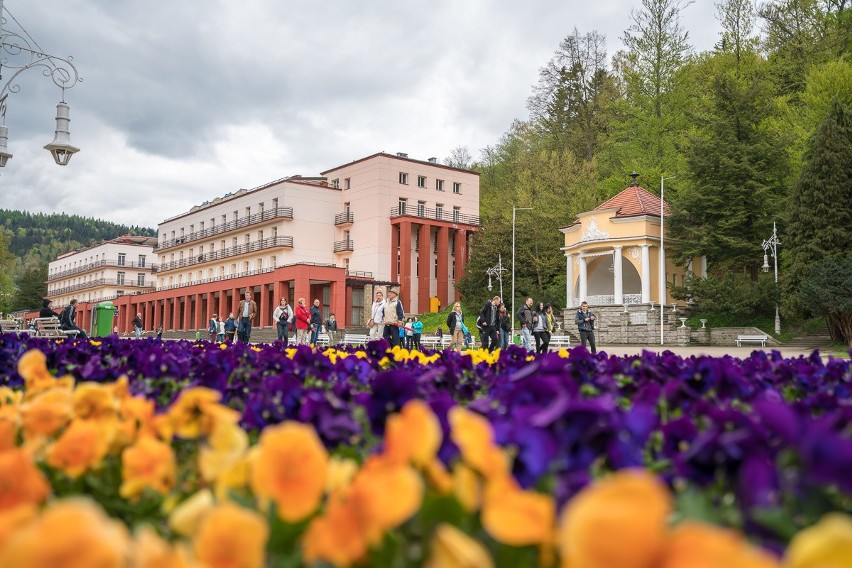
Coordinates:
x,y
817,339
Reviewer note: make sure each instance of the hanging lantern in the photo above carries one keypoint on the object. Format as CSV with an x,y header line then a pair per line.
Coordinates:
x,y
61,147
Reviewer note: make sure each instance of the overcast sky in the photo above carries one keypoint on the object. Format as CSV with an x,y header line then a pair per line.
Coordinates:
x,y
183,101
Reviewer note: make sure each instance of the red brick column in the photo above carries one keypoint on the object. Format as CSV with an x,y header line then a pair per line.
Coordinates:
x,y
461,257
425,276
187,313
167,314
264,305
393,252
405,276
156,322
443,265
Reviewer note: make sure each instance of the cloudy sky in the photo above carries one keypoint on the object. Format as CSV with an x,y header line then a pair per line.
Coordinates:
x,y
182,101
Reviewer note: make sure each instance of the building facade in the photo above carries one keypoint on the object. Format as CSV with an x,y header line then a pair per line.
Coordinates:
x,y
106,271
333,238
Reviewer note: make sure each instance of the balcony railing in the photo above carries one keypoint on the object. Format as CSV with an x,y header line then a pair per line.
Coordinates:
x,y
277,213
128,283
100,264
609,300
271,242
437,214
237,275
345,245
344,218
359,274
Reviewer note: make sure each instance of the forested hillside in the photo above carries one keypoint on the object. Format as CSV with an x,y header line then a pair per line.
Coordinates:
x,y
733,128
28,241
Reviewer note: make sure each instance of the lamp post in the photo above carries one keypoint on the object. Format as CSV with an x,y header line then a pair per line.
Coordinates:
x,y
770,246
514,210
662,256
18,53
496,270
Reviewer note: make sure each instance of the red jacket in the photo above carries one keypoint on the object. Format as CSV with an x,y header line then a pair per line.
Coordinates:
x,y
303,317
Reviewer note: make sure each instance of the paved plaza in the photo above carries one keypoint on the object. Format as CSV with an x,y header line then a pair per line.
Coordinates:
x,y
712,350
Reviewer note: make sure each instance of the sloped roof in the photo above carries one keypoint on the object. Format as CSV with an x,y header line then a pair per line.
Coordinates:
x,y
635,200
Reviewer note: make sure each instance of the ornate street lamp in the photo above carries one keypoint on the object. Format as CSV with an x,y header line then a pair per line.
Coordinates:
x,y
496,270
19,52
770,246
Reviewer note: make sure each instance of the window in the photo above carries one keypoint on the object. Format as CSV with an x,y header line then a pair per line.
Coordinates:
x,y
181,231
201,226
260,236
260,208
274,232
403,178
236,215
456,187
273,261
234,242
140,279
335,183
421,181
439,184
421,208
347,183
247,238
436,267
402,203
122,259
224,219
222,244
191,229
119,278
357,313
275,203
141,261
456,214
453,244
248,212
417,266
346,207
439,211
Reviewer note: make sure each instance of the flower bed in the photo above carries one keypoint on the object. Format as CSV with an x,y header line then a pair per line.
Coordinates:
x,y
397,457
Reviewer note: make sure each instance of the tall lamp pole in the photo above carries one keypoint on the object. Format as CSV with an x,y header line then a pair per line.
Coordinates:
x,y
514,210
19,52
770,246
662,257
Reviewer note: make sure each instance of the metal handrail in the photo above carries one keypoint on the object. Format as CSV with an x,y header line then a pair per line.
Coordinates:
x,y
100,282
344,245
202,258
276,213
343,218
442,215
99,264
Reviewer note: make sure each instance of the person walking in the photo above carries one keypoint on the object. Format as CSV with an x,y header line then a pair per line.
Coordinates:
x,y
282,314
549,327
246,310
585,320
159,333
409,334
332,330
230,328
505,326
137,324
538,325
392,317
213,327
487,324
417,326
376,323
68,319
316,322
303,322
525,316
455,320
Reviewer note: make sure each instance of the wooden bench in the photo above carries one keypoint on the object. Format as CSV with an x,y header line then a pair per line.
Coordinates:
x,y
752,339
560,341
49,327
354,339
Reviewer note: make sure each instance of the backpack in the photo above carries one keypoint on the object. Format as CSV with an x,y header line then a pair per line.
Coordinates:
x,y
65,318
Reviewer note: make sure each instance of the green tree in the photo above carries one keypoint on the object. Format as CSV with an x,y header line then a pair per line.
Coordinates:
x,y
820,206
7,285
829,291
32,288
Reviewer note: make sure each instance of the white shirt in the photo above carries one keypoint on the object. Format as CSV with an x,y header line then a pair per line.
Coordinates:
x,y
378,312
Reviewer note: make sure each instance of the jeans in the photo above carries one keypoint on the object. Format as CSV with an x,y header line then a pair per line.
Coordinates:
x,y
504,339
245,336
283,332
526,339
415,341
138,331
314,333
590,337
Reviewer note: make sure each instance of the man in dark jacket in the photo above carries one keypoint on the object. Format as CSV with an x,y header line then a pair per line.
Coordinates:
x,y
316,322
487,324
47,310
525,316
68,319
585,320
246,310
138,324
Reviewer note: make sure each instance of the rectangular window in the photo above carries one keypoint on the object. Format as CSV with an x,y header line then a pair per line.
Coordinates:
x,y
421,208
439,184
436,267
439,211
421,181
224,219
357,313
275,204
417,266
456,214
260,208
191,229
403,178
236,215
201,226
119,278
122,259
402,203
347,183
335,183
140,279
456,187
274,261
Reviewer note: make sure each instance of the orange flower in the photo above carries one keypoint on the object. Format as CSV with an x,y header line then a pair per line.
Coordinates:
x,y
438,477
289,466
21,482
386,494
474,436
14,519
69,534
197,410
151,551
147,463
186,517
703,546
231,537
80,448
631,506
827,544
32,366
519,518
46,414
96,402
414,434
10,417
136,418
467,488
451,548
336,536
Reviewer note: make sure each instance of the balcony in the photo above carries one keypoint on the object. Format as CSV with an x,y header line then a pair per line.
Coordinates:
x,y
277,213
436,214
270,243
347,245
345,218
359,274
101,282
101,264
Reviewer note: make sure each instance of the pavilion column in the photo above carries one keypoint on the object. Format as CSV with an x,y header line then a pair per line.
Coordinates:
x,y
584,284
235,302
704,267
157,322
618,279
461,255
423,280
264,305
569,280
443,265
223,304
646,275
302,289
405,279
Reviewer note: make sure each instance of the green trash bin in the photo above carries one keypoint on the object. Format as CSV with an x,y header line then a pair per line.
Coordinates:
x,y
517,339
102,319
198,335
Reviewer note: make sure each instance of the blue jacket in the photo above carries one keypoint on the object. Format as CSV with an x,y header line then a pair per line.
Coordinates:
x,y
417,327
